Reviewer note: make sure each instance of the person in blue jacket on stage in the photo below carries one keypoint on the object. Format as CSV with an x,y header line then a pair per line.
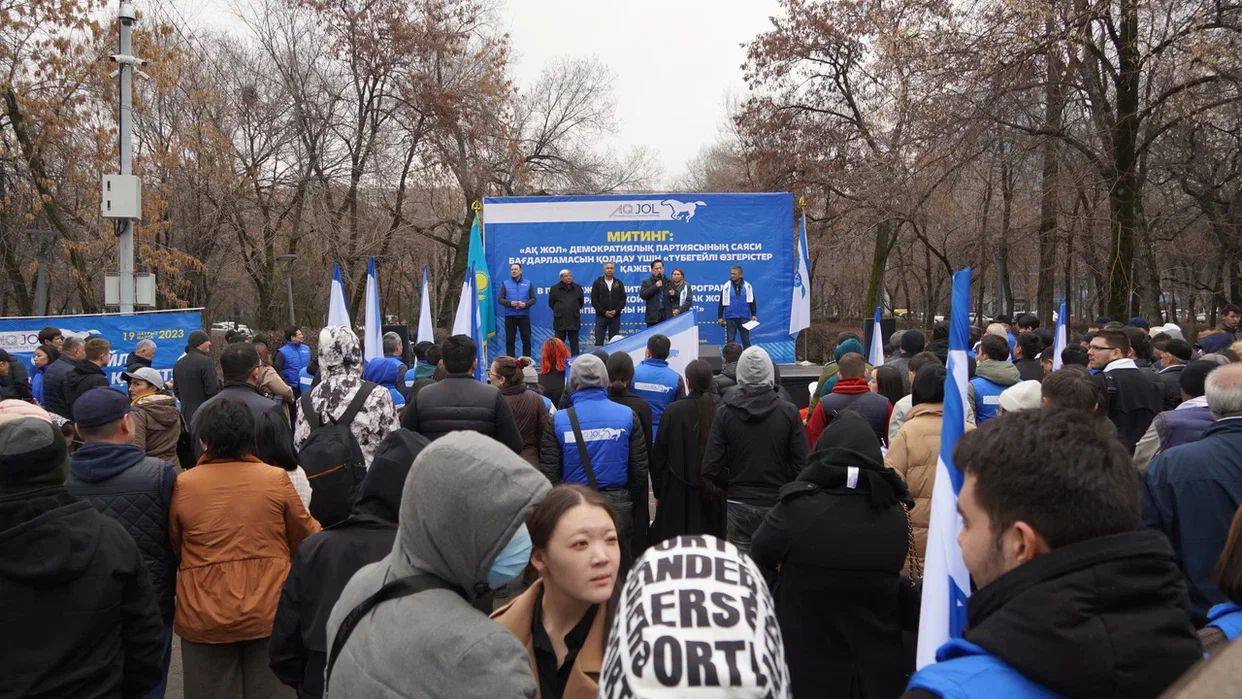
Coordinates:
x,y
737,306
1073,599
1224,620
655,382
389,371
292,358
516,297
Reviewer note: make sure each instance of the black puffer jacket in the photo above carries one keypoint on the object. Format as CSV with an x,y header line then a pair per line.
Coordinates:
x,y
840,550
325,562
135,490
756,446
84,376
1106,617
76,607
458,402
54,387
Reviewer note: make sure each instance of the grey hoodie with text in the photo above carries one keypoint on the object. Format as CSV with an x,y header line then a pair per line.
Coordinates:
x,y
464,497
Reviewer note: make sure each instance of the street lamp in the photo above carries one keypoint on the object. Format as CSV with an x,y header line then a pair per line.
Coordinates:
x,y
288,259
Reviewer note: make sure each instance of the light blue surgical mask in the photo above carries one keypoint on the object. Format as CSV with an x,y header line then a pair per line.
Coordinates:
x,y
511,561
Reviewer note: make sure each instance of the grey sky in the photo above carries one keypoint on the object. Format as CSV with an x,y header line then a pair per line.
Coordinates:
x,y
676,61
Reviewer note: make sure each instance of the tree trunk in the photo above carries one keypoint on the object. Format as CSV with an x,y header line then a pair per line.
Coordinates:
x,y
1124,198
1054,101
879,260
1003,283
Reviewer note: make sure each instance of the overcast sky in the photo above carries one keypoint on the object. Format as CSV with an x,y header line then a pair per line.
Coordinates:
x,y
677,62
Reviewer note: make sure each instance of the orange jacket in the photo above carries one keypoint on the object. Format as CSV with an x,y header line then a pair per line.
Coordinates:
x,y
519,615
234,525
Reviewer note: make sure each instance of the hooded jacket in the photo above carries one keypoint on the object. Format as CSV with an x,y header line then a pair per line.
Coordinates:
x,y
326,561
194,381
157,426
135,490
84,376
1106,617
756,445
839,538
463,500
991,379
76,607
340,378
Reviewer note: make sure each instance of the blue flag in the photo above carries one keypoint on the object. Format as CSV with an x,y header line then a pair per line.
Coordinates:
x,y
1060,336
875,357
946,582
483,281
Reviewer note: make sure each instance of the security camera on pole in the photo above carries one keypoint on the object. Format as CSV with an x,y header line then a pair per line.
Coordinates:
x,y
122,194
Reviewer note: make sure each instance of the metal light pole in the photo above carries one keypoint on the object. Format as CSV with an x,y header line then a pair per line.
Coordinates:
x,y
125,119
288,259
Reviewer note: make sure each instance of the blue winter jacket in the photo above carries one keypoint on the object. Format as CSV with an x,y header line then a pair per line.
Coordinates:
x,y
390,373
964,670
295,357
1191,493
606,429
657,384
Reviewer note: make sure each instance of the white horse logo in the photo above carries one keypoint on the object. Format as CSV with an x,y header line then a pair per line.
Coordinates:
x,y
683,211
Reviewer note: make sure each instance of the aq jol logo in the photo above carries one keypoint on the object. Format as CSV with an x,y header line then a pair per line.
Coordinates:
x,y
657,209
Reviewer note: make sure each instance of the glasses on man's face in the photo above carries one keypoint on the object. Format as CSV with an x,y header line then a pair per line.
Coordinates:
x,y
1100,348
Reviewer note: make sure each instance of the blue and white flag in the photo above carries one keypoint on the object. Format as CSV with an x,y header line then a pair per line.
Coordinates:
x,y
372,329
682,333
467,321
426,332
1059,337
800,302
338,312
875,357
946,582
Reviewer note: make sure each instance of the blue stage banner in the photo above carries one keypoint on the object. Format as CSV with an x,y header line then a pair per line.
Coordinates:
x,y
703,234
167,329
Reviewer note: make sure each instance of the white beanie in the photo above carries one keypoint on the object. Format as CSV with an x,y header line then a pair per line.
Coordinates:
x,y
1024,395
754,368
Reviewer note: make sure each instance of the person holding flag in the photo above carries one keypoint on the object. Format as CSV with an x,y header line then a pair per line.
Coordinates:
x,y
1073,600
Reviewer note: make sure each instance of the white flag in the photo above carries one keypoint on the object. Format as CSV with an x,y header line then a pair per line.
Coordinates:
x,y
463,322
372,332
338,312
426,333
800,304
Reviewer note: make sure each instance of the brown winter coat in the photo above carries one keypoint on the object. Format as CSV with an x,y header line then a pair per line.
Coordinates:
x,y
913,454
583,683
530,417
157,426
234,525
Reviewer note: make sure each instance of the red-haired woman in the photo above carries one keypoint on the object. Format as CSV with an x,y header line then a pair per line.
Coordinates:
x,y
552,369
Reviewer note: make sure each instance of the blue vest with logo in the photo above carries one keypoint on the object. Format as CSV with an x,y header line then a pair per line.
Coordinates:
x,y
305,381
296,358
1227,617
516,291
987,398
606,428
657,384
964,670
735,304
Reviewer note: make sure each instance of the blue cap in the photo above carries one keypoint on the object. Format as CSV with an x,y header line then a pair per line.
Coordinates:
x,y
99,406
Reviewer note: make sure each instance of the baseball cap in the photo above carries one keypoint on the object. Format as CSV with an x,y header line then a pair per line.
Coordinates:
x,y
99,406
147,374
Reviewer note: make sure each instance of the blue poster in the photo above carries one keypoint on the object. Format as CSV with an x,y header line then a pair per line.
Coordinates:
x,y
167,329
701,234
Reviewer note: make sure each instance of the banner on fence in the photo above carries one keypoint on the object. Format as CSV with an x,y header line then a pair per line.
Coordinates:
x,y
167,329
703,234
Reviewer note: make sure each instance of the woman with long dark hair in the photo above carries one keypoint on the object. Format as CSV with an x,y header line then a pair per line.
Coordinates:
x,y
684,506
886,381
620,367
552,356
526,405
563,617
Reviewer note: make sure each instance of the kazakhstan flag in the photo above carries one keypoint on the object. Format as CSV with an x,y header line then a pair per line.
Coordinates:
x,y
483,282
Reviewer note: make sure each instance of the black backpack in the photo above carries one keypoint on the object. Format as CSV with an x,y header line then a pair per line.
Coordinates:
x,y
333,460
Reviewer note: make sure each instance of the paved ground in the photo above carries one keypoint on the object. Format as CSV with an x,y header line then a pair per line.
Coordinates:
x,y
176,673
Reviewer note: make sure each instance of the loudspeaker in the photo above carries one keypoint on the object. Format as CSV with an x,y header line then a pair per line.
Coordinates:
x,y
888,326
407,354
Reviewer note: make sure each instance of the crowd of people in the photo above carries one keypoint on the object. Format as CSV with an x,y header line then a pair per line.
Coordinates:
x,y
310,524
